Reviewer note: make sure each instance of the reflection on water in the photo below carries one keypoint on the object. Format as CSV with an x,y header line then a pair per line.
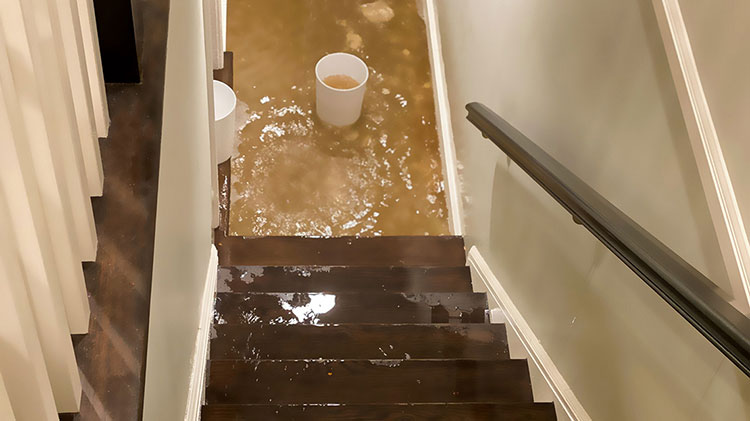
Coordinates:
x,y
308,311
300,308
291,175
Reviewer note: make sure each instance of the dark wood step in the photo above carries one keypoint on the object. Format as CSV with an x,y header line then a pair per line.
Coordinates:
x,y
261,341
343,279
342,251
368,381
324,308
403,412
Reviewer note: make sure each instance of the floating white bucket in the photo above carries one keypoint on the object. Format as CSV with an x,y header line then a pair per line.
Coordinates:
x,y
340,107
225,102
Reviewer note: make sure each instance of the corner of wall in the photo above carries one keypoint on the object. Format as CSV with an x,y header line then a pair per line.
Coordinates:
x,y
428,11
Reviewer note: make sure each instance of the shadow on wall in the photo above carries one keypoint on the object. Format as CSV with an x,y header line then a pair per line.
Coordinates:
x,y
622,349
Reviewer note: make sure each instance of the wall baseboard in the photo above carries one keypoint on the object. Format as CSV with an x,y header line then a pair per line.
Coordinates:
x,y
428,11
198,372
565,399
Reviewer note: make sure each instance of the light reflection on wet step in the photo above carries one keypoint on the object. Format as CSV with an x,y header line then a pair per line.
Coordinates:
x,y
322,308
291,175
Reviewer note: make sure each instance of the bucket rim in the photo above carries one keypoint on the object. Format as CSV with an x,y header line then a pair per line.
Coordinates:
x,y
362,62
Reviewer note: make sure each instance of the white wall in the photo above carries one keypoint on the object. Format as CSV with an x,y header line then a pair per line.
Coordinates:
x,y
589,82
183,219
6,412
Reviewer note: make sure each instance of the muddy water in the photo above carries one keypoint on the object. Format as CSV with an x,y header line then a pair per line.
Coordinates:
x,y
291,174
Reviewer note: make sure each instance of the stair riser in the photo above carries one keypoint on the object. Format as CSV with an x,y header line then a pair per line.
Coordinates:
x,y
443,412
243,279
342,251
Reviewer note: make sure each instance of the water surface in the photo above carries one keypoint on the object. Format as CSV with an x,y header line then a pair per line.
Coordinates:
x,y
291,174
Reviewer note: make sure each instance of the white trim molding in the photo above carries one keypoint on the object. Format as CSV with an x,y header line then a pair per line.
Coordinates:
x,y
200,357
564,396
443,119
714,175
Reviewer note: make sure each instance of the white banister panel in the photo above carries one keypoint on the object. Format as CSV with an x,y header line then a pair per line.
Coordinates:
x,y
32,154
21,361
79,81
52,111
94,65
30,273
19,181
43,28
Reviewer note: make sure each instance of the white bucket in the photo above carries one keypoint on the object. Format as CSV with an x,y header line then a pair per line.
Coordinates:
x,y
225,102
340,107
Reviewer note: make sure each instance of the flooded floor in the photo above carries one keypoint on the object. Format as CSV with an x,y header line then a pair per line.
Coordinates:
x,y
291,174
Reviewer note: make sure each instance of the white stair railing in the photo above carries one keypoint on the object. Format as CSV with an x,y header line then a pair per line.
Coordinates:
x,y
48,60
94,66
52,111
72,38
28,382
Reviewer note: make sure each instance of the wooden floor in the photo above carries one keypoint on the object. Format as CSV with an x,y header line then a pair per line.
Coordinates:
x,y
111,357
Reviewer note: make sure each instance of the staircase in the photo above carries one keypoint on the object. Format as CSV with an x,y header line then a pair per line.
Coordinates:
x,y
383,328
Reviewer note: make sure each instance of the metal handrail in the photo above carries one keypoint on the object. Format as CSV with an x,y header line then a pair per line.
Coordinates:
x,y
682,286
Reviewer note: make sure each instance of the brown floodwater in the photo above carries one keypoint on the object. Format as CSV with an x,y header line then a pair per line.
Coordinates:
x,y
293,175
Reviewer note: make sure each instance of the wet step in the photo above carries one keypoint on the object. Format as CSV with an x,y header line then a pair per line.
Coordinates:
x,y
262,341
368,381
327,308
343,279
342,251
444,412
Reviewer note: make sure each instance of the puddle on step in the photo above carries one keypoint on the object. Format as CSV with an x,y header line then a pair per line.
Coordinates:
x,y
292,175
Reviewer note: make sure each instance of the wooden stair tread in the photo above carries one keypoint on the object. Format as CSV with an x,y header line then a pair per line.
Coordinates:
x,y
431,411
367,381
346,251
383,328
327,308
343,279
261,341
